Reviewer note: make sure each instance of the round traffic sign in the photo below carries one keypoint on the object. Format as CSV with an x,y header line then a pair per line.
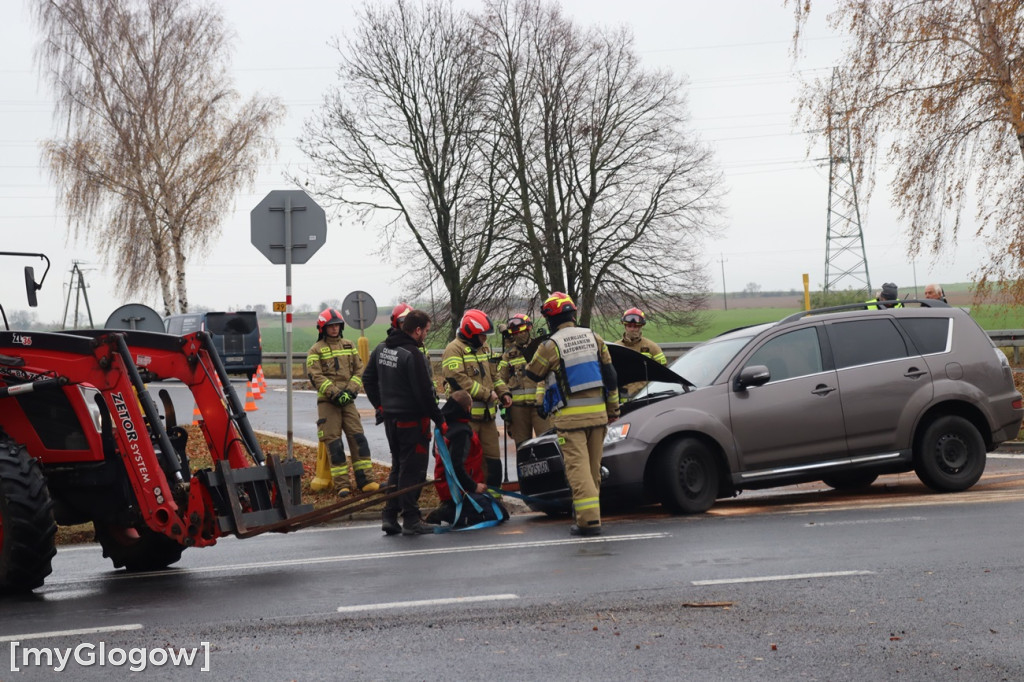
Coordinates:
x,y
359,310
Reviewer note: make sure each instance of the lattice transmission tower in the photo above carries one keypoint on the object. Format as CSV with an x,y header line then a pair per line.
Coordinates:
x,y
76,287
846,263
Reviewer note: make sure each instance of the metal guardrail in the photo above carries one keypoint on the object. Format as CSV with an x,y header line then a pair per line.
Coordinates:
x,y
1003,338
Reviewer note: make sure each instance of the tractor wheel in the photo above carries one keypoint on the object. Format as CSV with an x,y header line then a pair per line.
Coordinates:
x,y
27,528
137,550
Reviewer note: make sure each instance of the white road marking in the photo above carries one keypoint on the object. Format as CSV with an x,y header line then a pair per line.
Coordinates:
x,y
899,519
1004,456
285,563
425,602
70,633
770,578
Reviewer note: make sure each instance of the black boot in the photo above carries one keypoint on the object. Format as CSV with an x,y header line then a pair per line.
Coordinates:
x,y
390,525
365,482
493,465
339,469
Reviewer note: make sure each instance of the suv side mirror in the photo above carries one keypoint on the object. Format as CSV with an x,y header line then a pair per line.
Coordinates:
x,y
754,375
31,286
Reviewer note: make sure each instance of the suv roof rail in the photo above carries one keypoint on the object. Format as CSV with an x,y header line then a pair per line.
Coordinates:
x,y
921,302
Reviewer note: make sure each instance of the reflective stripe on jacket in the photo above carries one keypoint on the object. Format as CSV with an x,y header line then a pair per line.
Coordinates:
x,y
470,369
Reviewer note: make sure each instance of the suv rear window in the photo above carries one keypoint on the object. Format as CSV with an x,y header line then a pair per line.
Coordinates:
x,y
862,342
231,323
929,334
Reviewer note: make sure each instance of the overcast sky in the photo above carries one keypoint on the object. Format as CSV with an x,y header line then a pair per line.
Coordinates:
x,y
742,84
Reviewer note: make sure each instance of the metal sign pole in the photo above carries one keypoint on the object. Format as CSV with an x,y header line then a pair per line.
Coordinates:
x,y
306,222
288,314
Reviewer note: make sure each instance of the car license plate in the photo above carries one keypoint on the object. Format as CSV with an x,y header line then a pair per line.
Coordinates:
x,y
534,469
234,358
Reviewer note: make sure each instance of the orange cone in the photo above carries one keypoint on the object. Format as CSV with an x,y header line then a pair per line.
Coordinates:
x,y
197,416
262,379
254,386
250,401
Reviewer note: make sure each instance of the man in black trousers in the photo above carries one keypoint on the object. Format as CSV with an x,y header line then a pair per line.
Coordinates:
x,y
399,383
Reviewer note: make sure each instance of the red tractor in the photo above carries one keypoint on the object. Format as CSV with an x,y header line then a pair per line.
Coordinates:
x,y
82,440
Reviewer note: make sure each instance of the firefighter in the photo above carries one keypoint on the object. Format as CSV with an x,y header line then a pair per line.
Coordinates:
x,y
465,365
633,321
520,392
888,297
335,370
578,387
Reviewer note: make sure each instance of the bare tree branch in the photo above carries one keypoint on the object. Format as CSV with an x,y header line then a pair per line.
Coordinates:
x,y
936,89
151,154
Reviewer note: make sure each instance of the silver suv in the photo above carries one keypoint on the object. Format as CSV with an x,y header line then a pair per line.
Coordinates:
x,y
840,395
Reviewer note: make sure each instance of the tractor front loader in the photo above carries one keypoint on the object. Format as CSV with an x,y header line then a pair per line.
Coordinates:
x,y
82,440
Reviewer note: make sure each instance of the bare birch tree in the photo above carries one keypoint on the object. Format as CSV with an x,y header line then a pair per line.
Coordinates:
x,y
936,89
612,194
401,138
151,152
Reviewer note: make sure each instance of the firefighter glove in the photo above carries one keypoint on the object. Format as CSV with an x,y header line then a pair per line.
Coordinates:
x,y
345,398
542,412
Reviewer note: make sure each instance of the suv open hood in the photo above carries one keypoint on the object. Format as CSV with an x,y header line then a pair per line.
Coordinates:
x,y
631,367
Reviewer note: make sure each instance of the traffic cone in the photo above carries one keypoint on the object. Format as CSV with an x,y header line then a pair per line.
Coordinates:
x,y
250,401
322,479
254,386
197,416
262,379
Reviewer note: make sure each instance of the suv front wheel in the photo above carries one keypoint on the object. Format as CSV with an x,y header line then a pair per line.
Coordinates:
x,y
689,477
950,455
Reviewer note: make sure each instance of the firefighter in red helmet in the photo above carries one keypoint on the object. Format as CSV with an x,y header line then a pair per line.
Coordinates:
x,y
633,321
335,370
522,420
466,365
577,386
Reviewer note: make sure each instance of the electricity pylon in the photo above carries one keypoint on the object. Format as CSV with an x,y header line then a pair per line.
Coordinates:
x,y
846,262
78,285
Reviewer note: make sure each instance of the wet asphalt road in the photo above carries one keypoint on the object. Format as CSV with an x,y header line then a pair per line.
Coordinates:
x,y
803,584
796,583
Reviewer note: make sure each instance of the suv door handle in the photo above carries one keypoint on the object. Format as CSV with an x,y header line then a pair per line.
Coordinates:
x,y
822,389
914,373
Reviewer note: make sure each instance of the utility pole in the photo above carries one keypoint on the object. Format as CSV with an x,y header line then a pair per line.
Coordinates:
x,y
77,284
725,299
845,258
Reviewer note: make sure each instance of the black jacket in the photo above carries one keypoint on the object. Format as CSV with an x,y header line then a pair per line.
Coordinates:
x,y
400,381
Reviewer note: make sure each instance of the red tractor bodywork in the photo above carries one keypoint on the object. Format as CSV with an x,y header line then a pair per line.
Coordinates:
x,y
80,405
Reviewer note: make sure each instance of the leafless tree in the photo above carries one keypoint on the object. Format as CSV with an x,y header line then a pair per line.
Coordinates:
x,y
611,194
151,150
936,89
402,137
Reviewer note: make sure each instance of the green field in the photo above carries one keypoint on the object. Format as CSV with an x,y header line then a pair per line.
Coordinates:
x,y
717,321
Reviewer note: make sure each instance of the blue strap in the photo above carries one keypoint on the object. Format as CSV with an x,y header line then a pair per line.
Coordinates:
x,y
458,492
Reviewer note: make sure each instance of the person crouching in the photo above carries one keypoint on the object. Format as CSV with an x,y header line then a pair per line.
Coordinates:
x,y
467,460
